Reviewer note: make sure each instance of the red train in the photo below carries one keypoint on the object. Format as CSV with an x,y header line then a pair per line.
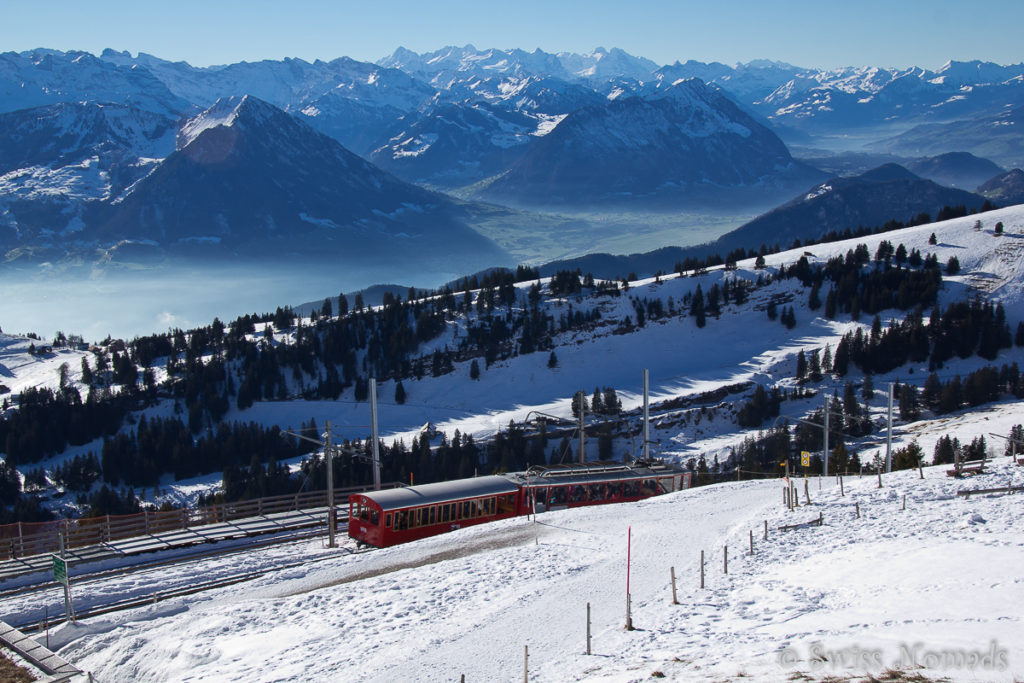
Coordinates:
x,y
393,516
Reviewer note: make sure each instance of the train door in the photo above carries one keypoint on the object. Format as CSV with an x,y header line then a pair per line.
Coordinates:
x,y
540,499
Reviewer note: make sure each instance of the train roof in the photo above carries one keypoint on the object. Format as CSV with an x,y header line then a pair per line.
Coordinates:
x,y
441,492
595,471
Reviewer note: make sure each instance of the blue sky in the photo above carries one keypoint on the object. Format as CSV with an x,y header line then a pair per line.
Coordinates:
x,y
822,33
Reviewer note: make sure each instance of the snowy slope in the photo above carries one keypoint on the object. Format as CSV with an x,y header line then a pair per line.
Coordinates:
x,y
926,587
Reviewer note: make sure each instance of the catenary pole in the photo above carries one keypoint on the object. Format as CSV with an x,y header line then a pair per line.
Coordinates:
x,y
647,416
888,438
329,457
374,434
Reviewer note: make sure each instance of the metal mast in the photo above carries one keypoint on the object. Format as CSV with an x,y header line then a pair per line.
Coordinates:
x,y
374,434
647,417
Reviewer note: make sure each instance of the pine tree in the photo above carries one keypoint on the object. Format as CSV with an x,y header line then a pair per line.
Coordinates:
x,y
399,393
552,360
801,365
697,307
867,388
474,370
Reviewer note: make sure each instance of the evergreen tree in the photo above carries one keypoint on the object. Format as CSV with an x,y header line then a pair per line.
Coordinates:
x,y
697,307
399,393
552,360
474,370
867,388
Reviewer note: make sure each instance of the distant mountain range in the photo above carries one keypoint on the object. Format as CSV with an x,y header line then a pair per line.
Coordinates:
x,y
96,150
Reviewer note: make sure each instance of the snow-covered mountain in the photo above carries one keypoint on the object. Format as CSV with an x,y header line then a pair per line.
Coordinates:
x,y
248,177
869,97
687,142
889,192
456,144
42,77
60,160
997,137
531,124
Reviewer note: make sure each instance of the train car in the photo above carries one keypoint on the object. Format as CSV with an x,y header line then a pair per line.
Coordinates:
x,y
386,518
597,483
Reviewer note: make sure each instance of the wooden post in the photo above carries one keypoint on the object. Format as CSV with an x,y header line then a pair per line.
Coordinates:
x,y
725,560
766,529
588,626
842,491
820,519
879,477
920,469
526,663
806,494
858,509
21,542
701,568
751,541
675,601
904,501
629,613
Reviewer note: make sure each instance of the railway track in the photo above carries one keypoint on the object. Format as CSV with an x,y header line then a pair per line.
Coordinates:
x,y
95,580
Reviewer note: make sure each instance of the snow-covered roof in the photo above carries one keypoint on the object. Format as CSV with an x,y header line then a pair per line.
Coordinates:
x,y
443,492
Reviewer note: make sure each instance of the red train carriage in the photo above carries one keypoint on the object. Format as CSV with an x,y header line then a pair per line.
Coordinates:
x,y
597,483
383,518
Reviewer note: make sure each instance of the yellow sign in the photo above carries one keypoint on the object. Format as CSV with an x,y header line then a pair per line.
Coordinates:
x,y
805,459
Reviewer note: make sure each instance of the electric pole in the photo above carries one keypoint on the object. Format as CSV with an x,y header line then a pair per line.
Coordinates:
x,y
374,434
647,417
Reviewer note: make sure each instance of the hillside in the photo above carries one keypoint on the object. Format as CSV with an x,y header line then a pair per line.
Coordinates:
x,y
700,393
897,578
836,587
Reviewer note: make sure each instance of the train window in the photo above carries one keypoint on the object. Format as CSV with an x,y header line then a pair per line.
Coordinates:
x,y
577,494
374,517
464,512
559,495
665,485
433,515
387,520
615,490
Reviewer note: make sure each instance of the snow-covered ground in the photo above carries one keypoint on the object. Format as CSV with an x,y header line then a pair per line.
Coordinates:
x,y
934,588
930,585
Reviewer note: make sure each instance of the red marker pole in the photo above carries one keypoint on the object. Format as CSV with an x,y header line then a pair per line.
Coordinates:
x,y
629,557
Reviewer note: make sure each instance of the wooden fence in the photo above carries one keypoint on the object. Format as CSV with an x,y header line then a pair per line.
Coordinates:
x,y
24,539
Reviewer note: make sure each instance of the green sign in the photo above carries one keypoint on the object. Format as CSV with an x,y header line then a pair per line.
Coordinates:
x,y
60,569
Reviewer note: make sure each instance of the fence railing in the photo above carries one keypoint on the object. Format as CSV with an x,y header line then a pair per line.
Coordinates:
x,y
24,539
